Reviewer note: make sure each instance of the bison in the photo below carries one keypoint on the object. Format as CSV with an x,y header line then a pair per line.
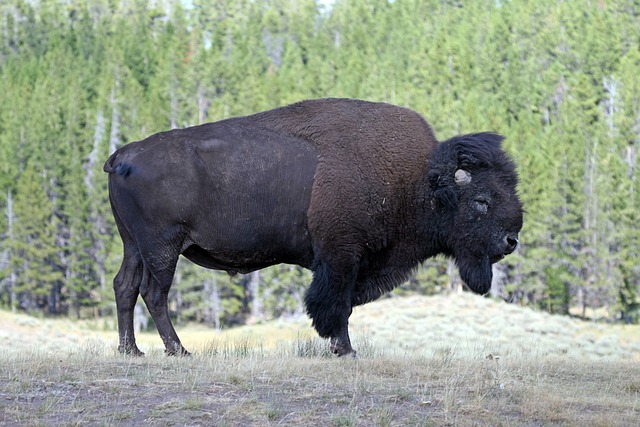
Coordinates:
x,y
358,192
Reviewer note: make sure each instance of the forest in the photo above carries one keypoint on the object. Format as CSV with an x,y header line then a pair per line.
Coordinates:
x,y
559,79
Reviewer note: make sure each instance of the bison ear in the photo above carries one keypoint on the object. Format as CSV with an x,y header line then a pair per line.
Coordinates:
x,y
441,178
447,197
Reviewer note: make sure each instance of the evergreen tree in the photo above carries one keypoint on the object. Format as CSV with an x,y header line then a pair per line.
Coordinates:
x,y
34,250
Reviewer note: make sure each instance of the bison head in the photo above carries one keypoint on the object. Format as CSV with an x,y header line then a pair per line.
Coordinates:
x,y
474,190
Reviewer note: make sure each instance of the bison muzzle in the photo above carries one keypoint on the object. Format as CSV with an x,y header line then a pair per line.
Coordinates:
x,y
358,192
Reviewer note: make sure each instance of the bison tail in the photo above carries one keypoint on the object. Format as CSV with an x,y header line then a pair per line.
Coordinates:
x,y
109,164
122,169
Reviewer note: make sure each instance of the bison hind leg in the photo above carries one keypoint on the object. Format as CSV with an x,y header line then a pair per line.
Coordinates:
x,y
328,302
126,285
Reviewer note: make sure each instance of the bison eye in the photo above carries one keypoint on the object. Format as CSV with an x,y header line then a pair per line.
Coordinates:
x,y
481,204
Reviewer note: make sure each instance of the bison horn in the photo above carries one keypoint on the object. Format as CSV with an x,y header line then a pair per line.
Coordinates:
x,y
462,177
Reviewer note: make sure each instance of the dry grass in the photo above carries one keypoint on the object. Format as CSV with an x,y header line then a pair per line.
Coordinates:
x,y
456,360
91,386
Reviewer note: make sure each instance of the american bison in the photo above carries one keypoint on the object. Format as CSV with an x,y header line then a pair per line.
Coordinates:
x,y
358,192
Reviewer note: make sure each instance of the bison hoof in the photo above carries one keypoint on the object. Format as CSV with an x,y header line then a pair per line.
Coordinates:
x,y
130,351
341,350
179,352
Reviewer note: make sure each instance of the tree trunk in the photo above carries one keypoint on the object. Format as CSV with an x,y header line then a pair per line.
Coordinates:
x,y
203,105
454,278
12,275
114,135
254,291
212,295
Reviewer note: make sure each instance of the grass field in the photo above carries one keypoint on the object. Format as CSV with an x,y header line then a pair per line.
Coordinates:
x,y
446,360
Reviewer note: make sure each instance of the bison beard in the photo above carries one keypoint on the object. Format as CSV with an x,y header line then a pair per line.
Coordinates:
x,y
358,192
476,273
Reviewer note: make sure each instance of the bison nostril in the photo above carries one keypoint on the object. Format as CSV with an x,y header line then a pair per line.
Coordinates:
x,y
512,244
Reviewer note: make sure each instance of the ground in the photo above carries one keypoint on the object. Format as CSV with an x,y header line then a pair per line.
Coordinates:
x,y
446,360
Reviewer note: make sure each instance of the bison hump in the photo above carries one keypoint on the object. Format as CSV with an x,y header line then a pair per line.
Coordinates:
x,y
370,157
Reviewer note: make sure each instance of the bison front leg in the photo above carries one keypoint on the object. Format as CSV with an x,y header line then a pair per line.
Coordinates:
x,y
328,302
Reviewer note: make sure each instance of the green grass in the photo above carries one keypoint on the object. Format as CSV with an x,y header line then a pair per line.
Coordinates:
x,y
456,360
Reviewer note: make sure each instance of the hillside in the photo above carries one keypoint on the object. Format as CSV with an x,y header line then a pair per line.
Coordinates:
x,y
464,323
471,325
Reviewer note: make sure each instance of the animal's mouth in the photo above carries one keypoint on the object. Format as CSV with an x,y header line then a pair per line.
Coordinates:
x,y
510,244
496,258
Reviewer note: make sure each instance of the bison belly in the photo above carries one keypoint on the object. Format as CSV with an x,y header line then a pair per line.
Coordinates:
x,y
252,209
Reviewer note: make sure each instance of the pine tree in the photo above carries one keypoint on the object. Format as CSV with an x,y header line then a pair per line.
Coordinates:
x,y
626,208
35,256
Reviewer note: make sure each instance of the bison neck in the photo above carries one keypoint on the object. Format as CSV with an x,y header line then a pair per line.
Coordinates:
x,y
419,237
